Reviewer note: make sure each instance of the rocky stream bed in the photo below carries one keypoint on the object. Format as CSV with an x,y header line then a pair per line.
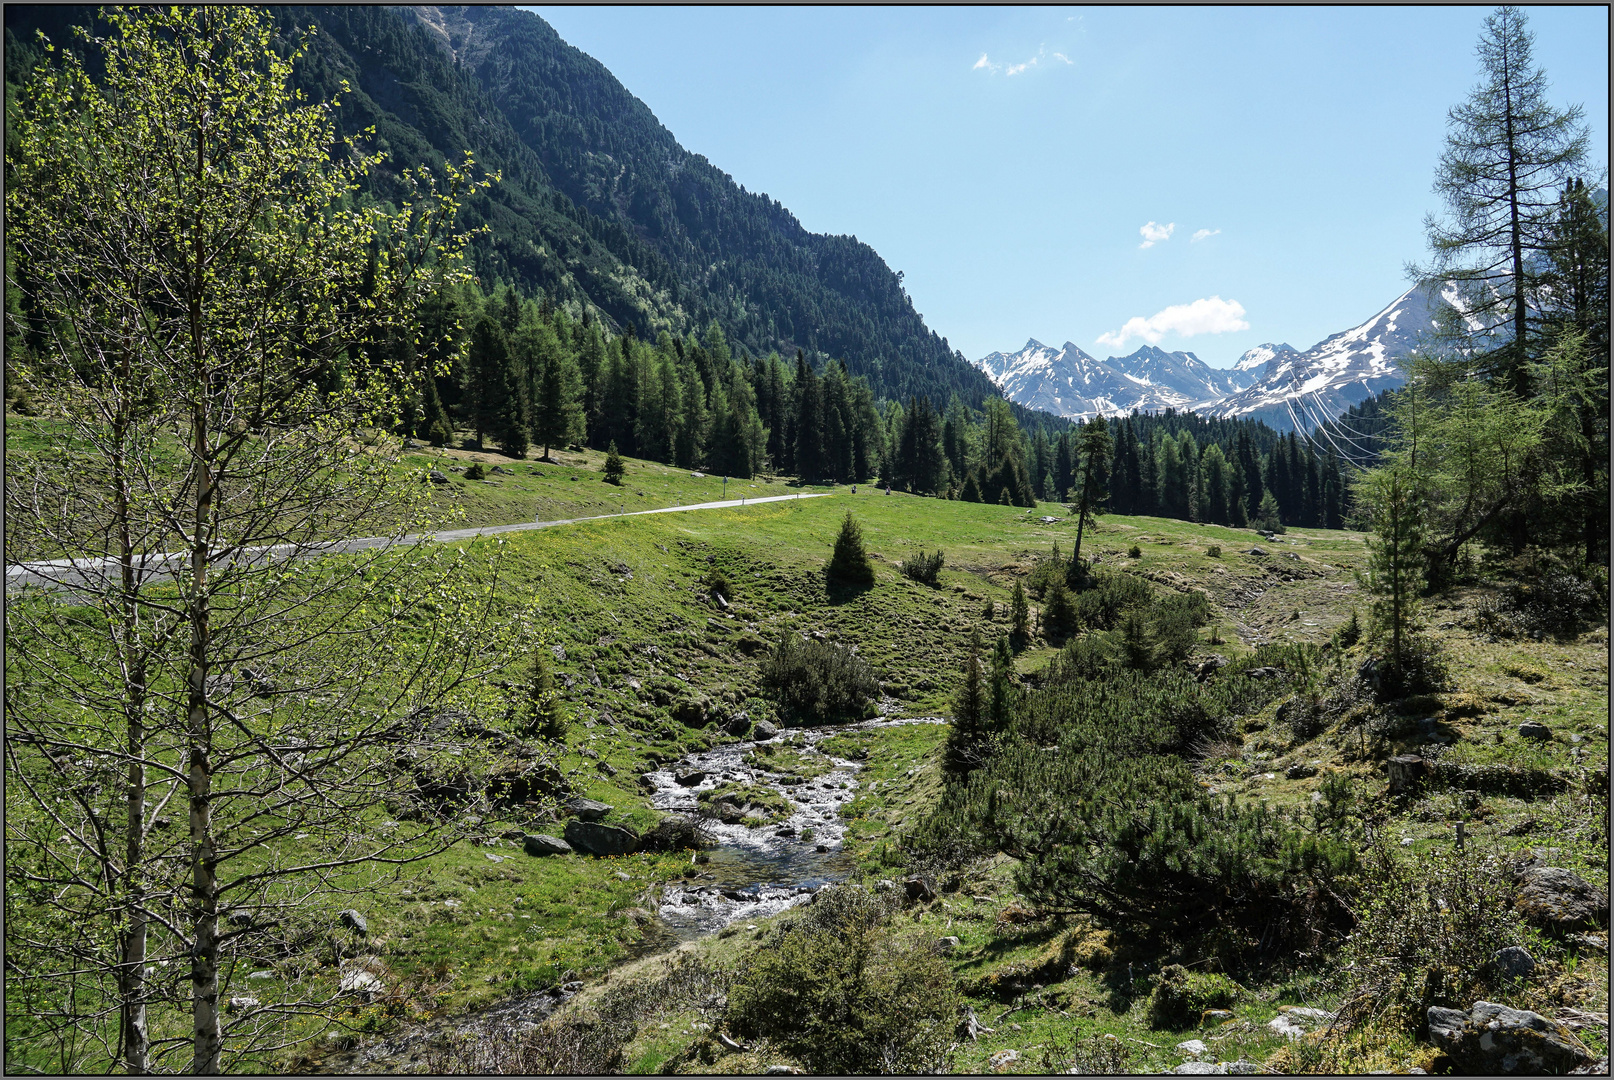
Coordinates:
x,y
754,868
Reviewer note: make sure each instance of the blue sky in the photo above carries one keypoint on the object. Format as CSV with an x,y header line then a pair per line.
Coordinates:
x,y
1209,178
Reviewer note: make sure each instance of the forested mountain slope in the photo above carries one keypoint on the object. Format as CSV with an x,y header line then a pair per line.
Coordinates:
x,y
598,204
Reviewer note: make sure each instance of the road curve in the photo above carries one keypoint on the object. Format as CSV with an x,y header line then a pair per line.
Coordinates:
x,y
78,571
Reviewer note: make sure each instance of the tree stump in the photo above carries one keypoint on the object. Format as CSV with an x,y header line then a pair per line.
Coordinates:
x,y
1406,773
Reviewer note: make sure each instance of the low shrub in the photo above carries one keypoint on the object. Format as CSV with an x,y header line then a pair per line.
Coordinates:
x,y
817,682
1180,997
923,568
717,583
474,471
1425,935
843,994
1214,551
1134,552
1100,607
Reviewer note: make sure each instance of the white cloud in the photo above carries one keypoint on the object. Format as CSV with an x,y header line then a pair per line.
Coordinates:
x,y
1210,315
1061,57
1203,234
983,62
1015,69
1153,233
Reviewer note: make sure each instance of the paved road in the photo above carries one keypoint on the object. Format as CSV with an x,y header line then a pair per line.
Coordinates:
x,y
78,571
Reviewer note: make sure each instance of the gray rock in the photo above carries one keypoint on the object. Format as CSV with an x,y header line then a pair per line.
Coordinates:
x,y
597,839
539,844
1293,1023
353,921
1256,551
1299,771
587,809
1200,1068
763,730
436,477
1560,901
1514,962
1499,1041
1244,1068
917,888
689,778
261,975
1533,729
1192,1046
781,1070
236,1004
947,944
411,444
720,600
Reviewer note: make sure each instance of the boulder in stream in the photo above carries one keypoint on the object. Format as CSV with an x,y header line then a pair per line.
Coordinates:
x,y
764,730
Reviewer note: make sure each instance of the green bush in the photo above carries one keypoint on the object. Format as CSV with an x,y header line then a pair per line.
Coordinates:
x,y
1058,613
543,713
849,563
816,682
1134,552
923,568
1100,607
844,995
614,468
1426,933
1180,997
473,471
1214,551
717,583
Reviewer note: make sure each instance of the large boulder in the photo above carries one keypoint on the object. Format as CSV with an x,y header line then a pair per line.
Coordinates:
x,y
353,921
1495,1040
597,839
763,730
1559,901
539,844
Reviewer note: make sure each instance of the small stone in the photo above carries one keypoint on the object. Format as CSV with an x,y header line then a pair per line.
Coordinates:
x,y
1004,1058
353,921
1292,1023
947,944
919,889
1534,729
1514,962
1300,771
1199,1068
1192,1046
689,778
236,1004
1256,551
1214,1016
261,975
538,844
437,477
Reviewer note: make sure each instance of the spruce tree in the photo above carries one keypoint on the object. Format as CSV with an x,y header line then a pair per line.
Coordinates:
x,y
1019,617
849,563
613,465
969,732
1093,488
809,421
1396,566
1000,689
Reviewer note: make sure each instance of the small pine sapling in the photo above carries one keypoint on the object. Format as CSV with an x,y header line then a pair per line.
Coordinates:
x,y
849,563
613,465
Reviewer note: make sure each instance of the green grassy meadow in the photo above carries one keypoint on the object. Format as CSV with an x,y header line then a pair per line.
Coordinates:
x,y
628,627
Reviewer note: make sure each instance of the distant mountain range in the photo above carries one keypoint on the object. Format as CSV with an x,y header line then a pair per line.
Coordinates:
x,y
1286,388
1069,382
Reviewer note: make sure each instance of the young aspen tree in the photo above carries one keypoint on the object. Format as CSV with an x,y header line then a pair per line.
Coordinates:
x,y
189,694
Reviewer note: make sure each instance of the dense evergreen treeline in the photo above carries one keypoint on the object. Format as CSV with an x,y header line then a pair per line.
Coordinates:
x,y
527,372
